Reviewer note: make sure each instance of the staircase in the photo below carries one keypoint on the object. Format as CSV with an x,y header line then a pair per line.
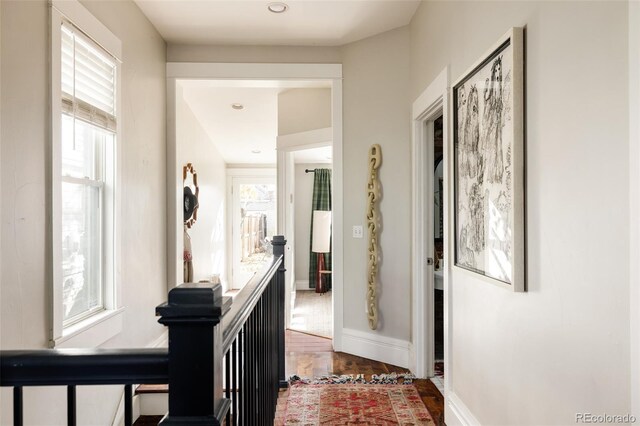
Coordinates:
x,y
224,363
152,402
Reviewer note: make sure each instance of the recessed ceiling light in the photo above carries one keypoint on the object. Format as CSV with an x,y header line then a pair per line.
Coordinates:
x,y
255,151
237,106
278,7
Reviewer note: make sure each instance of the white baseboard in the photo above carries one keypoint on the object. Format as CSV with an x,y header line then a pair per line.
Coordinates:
x,y
161,342
136,408
302,285
456,413
376,347
154,404
118,418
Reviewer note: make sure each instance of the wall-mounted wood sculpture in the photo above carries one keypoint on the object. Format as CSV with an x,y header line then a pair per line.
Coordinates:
x,y
373,193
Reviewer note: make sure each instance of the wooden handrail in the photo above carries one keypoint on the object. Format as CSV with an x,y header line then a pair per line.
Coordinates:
x,y
59,367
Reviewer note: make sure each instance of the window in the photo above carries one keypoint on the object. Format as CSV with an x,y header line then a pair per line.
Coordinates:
x,y
84,97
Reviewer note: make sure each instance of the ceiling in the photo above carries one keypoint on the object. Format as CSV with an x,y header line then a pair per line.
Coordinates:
x,y
236,134
248,22
249,136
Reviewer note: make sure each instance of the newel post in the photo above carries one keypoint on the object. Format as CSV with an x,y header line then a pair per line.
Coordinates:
x,y
279,243
193,315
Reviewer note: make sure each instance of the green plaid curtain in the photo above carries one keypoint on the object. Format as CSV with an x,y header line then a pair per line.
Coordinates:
x,y
321,201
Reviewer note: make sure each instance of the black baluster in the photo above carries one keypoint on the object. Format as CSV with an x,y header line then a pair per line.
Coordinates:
x,y
274,341
261,389
247,373
254,370
71,405
256,364
242,400
227,381
268,390
17,406
234,381
265,357
251,347
278,243
128,405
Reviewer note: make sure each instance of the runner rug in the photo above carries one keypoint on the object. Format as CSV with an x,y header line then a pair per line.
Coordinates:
x,y
347,400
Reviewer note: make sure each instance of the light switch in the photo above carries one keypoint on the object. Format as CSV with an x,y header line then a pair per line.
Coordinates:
x,y
357,231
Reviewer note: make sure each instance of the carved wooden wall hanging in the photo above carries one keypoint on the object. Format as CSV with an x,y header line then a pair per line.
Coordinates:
x,y
373,192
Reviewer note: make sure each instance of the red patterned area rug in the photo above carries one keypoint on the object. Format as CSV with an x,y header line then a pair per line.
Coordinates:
x,y
352,404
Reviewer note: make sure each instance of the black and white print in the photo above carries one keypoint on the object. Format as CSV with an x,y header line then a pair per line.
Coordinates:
x,y
483,167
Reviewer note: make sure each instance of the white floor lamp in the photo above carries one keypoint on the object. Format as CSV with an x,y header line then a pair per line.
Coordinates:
x,y
321,243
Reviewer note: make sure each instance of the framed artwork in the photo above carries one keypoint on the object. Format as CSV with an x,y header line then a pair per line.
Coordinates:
x,y
488,172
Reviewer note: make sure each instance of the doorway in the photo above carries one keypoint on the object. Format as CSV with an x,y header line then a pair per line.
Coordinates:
x,y
431,236
259,75
253,221
436,194
312,310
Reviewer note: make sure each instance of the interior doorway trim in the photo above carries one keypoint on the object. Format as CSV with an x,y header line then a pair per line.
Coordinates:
x,y
257,72
432,103
287,146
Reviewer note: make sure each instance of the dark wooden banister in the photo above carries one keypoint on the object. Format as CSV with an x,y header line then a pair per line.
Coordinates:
x,y
59,367
203,327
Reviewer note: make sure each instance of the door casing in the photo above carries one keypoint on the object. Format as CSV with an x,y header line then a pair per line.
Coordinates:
x,y
247,73
431,104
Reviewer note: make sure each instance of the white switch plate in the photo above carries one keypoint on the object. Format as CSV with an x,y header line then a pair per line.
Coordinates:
x,y
358,231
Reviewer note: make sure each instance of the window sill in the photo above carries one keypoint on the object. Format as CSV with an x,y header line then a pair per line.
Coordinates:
x,y
91,332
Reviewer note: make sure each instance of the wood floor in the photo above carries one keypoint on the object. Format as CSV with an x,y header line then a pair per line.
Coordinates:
x,y
310,356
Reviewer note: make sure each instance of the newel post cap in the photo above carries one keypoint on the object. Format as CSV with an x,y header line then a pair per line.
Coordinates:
x,y
195,303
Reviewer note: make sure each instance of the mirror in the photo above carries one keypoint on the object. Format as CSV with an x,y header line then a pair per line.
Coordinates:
x,y
191,191
438,221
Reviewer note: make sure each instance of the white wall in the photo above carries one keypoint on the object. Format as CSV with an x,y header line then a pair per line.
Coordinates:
x,y
302,202
563,347
377,111
634,187
25,280
300,110
208,234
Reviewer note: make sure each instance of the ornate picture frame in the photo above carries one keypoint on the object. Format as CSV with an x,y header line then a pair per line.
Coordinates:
x,y
488,169
191,195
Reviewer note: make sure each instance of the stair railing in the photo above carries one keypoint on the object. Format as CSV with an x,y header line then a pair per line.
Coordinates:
x,y
225,361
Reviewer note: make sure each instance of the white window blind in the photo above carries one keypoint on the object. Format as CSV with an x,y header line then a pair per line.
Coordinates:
x,y
88,80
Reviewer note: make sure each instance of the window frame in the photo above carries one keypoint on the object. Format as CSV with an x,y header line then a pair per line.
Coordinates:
x,y
103,325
